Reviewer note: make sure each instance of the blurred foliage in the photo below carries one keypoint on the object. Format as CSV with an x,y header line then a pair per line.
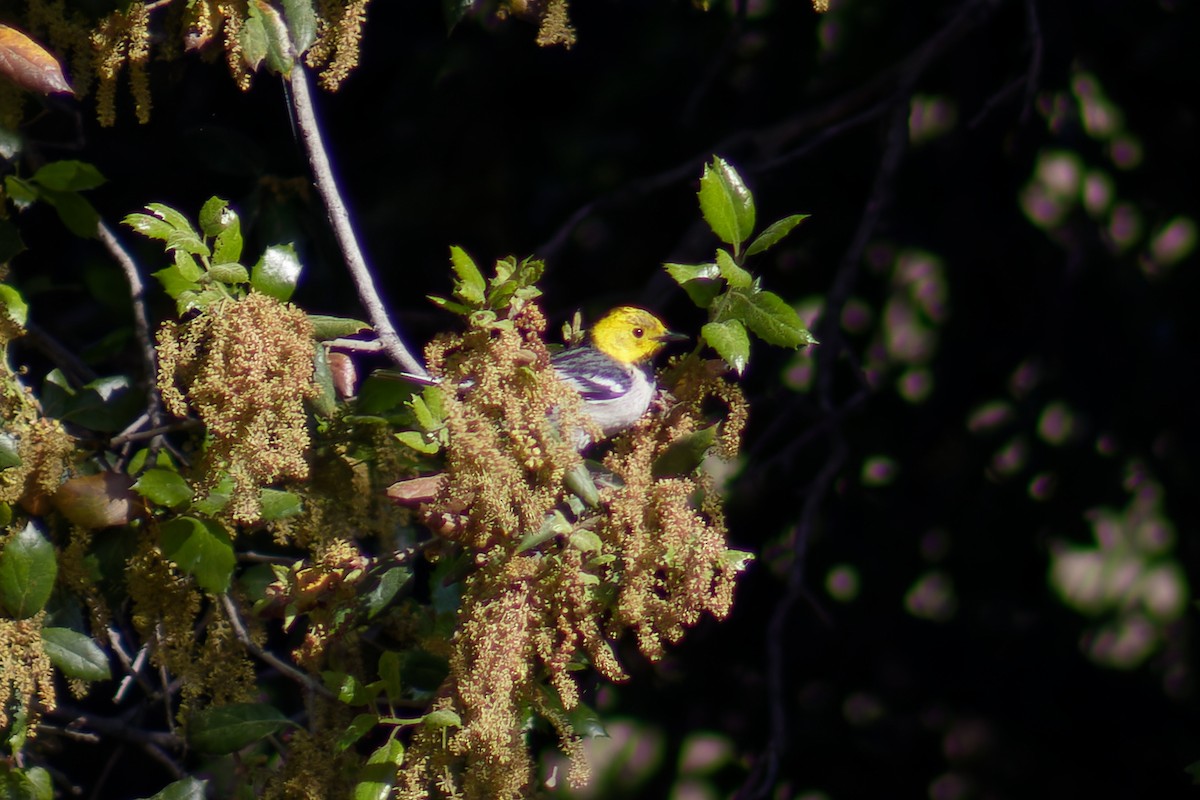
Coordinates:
x,y
969,502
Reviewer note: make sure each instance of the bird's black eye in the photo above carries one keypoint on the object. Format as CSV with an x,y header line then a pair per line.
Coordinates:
x,y
638,333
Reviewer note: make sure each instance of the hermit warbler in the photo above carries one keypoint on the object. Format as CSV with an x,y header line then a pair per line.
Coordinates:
x,y
609,371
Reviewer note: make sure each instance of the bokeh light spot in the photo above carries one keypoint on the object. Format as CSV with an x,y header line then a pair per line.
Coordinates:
x,y
879,470
932,597
989,416
1056,423
842,583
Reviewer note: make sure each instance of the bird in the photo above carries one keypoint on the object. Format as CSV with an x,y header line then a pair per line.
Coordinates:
x,y
610,370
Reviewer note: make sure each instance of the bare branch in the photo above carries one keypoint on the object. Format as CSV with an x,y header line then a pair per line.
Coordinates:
x,y
301,100
243,636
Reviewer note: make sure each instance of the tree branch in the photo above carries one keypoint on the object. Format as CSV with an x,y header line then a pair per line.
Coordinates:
x,y
301,100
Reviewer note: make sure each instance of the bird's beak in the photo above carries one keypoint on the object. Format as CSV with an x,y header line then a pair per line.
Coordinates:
x,y
669,336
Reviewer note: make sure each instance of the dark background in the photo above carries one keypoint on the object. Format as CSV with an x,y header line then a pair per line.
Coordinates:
x,y
589,158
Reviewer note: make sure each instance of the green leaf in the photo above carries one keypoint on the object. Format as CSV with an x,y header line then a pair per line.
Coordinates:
x,y
77,655
301,23
22,193
10,241
277,272
450,305
470,285
28,567
419,442
253,38
389,670
149,225
770,318
442,718
726,203
279,45
327,328
43,786
188,268
682,273
685,455
377,777
10,454
75,212
200,548
359,727
175,219
390,583
13,306
730,341
586,722
215,216
278,504
174,283
105,404
229,274
229,728
31,784
164,487
217,499
188,788
734,275
68,176
774,233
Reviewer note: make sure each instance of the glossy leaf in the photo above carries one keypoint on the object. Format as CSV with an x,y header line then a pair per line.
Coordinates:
x,y
734,275
378,776
770,318
68,176
200,548
774,233
29,65
28,567
229,728
726,203
682,273
470,286
188,788
164,487
301,24
730,341
76,655
277,272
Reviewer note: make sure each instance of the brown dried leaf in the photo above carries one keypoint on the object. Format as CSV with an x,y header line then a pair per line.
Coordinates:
x,y
99,501
29,65
416,490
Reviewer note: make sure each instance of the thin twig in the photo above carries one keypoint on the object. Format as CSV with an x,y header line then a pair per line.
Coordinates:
x,y
243,636
141,319
301,100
